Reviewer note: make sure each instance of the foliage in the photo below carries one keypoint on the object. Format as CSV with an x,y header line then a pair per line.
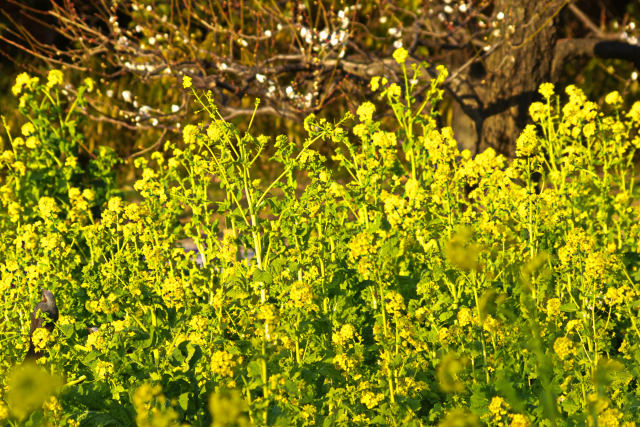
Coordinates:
x,y
427,287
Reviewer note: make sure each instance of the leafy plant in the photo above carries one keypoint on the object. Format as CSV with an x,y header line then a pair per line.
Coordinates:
x,y
412,283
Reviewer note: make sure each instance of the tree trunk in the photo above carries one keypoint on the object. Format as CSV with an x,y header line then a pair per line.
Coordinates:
x,y
521,60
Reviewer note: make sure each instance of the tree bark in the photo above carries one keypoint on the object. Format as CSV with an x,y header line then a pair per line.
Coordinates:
x,y
520,61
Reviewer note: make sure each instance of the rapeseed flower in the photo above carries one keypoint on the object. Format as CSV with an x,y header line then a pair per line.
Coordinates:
x,y
400,55
222,363
54,78
365,111
563,347
189,134
546,90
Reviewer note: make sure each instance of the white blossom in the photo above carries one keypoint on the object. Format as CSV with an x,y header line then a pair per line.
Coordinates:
x,y
126,95
175,108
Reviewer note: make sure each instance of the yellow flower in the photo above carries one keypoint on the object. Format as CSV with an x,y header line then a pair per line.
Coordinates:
x,y
465,317
546,90
370,399
97,341
394,90
613,98
563,347
71,162
32,142
347,332
19,167
553,307
384,139
89,83
51,404
215,130
538,111
222,363
40,338
400,55
189,134
54,78
115,205
360,130
527,142
47,207
88,194
497,406
634,112
519,420
301,295
14,210
22,80
186,82
27,129
443,73
394,303
4,412
589,129
365,111
7,156
375,83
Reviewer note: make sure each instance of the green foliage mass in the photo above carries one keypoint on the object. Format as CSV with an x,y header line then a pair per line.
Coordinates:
x,y
426,287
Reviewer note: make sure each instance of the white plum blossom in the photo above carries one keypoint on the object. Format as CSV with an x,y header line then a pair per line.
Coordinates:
x,y
175,108
126,95
261,78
